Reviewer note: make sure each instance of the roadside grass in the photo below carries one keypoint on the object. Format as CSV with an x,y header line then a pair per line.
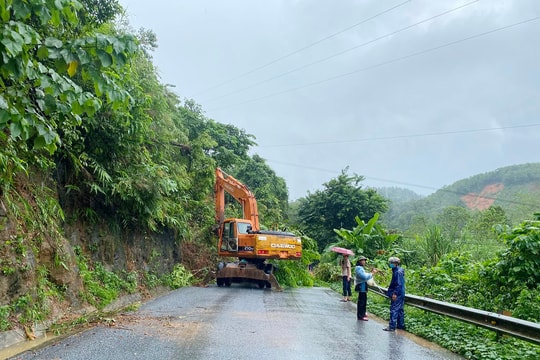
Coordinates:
x,y
470,341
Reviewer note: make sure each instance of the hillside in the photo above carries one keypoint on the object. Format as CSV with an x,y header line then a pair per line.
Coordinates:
x,y
515,188
398,195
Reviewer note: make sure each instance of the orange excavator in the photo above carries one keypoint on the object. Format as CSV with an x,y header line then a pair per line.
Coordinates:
x,y
243,239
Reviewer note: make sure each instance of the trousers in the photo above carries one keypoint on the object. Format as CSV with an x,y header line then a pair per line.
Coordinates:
x,y
361,305
346,286
397,315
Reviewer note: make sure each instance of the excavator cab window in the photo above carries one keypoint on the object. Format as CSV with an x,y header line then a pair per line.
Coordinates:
x,y
226,234
230,241
244,228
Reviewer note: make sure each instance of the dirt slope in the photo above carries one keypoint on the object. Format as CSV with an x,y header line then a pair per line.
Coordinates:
x,y
485,199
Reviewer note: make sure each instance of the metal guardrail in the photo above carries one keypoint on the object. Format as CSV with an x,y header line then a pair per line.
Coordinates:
x,y
522,329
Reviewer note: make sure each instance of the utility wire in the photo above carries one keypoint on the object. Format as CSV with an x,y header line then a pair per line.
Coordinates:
x,y
405,136
407,184
344,51
388,62
303,48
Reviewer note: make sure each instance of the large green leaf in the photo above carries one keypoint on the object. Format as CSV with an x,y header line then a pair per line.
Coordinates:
x,y
105,58
13,43
53,42
21,10
15,129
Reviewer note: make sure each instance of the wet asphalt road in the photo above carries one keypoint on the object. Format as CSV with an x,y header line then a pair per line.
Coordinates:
x,y
241,322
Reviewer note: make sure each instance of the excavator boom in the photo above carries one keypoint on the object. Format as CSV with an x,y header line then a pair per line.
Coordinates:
x,y
240,192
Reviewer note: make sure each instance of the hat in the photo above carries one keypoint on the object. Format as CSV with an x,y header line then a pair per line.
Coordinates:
x,y
362,258
394,260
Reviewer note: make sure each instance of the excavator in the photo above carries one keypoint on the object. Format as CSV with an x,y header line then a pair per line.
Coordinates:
x,y
243,239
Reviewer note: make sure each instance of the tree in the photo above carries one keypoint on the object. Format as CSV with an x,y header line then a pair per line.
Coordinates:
x,y
226,144
270,190
519,263
337,206
483,240
510,281
452,221
43,52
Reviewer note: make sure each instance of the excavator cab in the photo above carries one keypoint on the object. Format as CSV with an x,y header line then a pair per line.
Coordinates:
x,y
231,231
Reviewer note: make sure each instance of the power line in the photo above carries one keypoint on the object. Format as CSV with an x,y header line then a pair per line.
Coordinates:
x,y
388,62
334,172
344,51
406,184
406,136
304,48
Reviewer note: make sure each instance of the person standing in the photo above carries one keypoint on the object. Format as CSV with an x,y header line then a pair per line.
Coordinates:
x,y
346,276
396,293
360,279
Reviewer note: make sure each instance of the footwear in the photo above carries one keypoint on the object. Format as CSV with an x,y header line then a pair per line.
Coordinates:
x,y
388,329
364,318
343,300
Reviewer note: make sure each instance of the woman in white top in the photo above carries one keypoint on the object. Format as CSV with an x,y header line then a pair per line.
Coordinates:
x,y
346,275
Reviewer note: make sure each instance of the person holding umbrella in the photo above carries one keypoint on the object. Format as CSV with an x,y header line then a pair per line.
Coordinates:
x,y
346,276
345,271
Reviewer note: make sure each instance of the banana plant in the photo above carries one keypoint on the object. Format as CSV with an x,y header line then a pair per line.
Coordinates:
x,y
367,238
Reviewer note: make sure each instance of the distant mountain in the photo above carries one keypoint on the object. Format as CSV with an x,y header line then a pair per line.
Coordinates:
x,y
515,188
398,195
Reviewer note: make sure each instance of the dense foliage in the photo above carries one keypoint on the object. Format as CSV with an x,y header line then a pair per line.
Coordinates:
x,y
337,206
367,238
506,282
518,195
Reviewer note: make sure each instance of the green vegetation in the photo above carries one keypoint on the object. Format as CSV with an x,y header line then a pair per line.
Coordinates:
x,y
4,318
508,283
467,340
179,277
106,185
102,286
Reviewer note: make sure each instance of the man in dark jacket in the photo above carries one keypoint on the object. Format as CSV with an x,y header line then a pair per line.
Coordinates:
x,y
396,293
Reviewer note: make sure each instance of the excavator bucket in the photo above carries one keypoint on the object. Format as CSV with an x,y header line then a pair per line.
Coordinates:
x,y
244,272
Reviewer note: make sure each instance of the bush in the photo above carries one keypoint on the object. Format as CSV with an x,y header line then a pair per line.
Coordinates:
x,y
528,305
179,277
102,286
327,272
4,318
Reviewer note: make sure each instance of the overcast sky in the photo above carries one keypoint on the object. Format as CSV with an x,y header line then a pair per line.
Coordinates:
x,y
415,94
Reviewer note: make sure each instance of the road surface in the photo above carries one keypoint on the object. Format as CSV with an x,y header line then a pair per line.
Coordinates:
x,y
241,322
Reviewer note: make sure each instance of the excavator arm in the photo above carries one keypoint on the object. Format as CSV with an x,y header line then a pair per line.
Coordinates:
x,y
240,192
